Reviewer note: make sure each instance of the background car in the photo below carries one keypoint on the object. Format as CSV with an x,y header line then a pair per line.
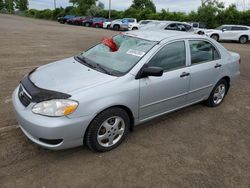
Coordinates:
x,y
168,25
144,22
90,21
78,20
64,19
199,27
107,23
238,33
98,23
125,24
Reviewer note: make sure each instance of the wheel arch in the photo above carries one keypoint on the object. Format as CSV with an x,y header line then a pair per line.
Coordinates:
x,y
125,108
227,78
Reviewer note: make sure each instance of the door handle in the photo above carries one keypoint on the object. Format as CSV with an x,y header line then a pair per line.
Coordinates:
x,y
217,66
184,74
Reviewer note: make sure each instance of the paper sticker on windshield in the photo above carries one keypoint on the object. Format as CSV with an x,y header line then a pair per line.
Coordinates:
x,y
136,53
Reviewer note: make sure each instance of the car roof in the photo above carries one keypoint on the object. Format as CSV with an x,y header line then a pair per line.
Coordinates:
x,y
159,35
236,25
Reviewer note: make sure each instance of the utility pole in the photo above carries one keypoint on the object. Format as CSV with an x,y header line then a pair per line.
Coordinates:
x,y
109,9
54,4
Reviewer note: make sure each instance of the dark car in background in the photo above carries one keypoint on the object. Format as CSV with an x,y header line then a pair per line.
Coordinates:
x,y
78,20
64,19
98,23
89,22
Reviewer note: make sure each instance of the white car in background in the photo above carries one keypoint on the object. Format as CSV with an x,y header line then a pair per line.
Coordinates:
x,y
125,24
106,25
142,23
199,27
168,25
239,33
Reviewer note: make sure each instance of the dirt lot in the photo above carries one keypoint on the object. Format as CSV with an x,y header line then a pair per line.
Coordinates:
x,y
194,147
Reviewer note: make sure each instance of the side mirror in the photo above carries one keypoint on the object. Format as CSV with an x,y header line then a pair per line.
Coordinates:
x,y
223,30
150,71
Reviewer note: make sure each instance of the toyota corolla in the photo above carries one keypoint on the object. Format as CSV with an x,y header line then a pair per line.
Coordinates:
x,y
98,96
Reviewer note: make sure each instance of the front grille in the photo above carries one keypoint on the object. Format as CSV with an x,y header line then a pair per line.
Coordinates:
x,y
23,96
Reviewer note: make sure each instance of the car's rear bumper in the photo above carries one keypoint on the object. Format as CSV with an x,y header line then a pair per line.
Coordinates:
x,y
68,132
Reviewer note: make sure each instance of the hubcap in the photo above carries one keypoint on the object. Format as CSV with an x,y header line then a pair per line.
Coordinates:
x,y
111,131
215,37
243,40
219,94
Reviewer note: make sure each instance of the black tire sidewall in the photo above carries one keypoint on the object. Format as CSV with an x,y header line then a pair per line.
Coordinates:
x,y
217,37
210,101
90,138
241,38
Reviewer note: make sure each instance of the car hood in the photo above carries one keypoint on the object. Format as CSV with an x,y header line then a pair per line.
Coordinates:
x,y
67,76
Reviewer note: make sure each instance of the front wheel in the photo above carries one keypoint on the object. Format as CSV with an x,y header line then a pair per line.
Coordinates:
x,y
218,94
107,130
215,37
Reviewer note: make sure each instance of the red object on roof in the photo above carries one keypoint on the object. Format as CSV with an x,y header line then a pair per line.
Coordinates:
x,y
110,43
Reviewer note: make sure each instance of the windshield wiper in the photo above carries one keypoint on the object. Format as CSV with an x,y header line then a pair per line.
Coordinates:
x,y
94,65
103,69
84,61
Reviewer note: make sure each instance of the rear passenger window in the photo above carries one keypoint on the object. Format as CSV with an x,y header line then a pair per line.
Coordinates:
x,y
172,56
202,51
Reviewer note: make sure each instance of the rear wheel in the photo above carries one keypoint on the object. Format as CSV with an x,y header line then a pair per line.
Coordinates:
x,y
218,94
117,27
107,130
243,39
87,24
215,37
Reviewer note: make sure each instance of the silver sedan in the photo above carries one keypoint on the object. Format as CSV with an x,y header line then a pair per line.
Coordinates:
x,y
98,96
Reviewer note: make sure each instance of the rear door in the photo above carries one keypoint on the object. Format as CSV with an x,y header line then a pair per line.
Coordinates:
x,y
205,69
161,94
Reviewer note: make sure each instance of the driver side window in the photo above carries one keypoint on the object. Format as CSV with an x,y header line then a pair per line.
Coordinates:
x,y
170,57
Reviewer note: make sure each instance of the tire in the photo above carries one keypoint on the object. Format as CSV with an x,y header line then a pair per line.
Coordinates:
x,y
215,37
218,94
103,134
87,24
96,26
243,39
116,27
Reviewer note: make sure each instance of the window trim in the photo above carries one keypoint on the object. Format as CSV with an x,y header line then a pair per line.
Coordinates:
x,y
190,56
163,46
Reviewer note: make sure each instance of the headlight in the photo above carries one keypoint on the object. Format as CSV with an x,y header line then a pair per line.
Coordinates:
x,y
55,108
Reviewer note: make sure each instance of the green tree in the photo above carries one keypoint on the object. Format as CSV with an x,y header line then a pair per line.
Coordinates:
x,y
94,11
83,5
144,4
208,11
2,4
22,5
9,5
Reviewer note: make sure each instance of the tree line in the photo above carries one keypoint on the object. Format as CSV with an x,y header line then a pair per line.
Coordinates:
x,y
211,12
9,6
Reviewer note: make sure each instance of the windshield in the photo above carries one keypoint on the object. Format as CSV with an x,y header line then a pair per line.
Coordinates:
x,y
118,54
220,28
154,25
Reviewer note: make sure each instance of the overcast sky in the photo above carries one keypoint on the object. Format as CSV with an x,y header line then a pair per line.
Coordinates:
x,y
172,5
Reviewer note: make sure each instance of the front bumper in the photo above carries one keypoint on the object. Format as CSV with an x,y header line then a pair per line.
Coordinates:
x,y
36,127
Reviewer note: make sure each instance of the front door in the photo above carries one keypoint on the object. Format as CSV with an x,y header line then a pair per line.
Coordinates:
x,y
159,95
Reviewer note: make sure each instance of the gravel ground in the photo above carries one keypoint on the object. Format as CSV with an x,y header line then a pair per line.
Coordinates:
x,y
194,147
